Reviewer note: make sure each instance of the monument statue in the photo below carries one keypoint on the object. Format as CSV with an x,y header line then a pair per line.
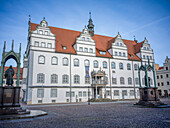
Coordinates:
x,y
9,75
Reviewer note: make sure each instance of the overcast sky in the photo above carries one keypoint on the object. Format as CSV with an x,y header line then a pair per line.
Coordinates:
x,y
142,18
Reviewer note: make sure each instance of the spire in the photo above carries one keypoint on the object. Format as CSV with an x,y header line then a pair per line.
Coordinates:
x,y
12,44
90,25
145,40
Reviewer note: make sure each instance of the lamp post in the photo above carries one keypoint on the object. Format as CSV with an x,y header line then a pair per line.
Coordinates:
x,y
88,96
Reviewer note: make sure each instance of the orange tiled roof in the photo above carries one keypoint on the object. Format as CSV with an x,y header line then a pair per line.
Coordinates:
x,y
66,37
15,75
160,68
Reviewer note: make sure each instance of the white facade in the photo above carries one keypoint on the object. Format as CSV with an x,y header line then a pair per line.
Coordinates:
x,y
163,79
54,77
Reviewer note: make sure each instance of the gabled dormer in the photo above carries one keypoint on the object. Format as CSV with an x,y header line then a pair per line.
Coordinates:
x,y
119,49
85,45
42,38
146,51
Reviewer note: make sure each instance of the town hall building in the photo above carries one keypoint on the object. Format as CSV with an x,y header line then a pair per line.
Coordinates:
x,y
62,65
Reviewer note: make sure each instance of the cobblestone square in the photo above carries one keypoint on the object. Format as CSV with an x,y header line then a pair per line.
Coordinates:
x,y
99,115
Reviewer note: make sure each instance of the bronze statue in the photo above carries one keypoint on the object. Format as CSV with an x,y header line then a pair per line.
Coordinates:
x,y
9,75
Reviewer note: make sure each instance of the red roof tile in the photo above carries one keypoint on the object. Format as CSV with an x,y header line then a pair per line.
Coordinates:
x,y
65,37
160,68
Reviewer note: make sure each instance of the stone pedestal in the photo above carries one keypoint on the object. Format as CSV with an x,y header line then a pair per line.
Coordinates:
x,y
149,97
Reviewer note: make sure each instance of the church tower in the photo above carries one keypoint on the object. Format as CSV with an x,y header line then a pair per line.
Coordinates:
x,y
90,26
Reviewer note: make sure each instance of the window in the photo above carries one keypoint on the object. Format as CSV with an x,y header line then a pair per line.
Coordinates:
x,y
73,94
115,53
67,94
129,81
150,57
158,84
65,61
40,93
40,32
147,57
167,82
87,80
54,60
54,78
137,81
131,92
46,33
144,48
124,92
143,56
157,77
147,48
91,50
65,79
86,63
40,78
53,92
80,49
41,59
121,66
49,45
124,54
120,54
85,49
36,43
95,64
84,94
114,81
128,66
43,44
166,68
104,64
76,62
64,47
135,66
122,81
120,44
107,93
76,79
161,76
102,52
162,84
83,38
116,92
113,65
80,94
167,75
117,44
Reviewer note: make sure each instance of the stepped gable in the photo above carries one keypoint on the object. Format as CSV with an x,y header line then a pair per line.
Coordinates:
x,y
66,37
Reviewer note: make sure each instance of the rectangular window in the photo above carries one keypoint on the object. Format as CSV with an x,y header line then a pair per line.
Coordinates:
x,y
162,84
102,52
49,45
115,53
116,92
86,50
72,94
108,93
120,54
80,49
64,47
84,93
91,50
53,92
43,44
114,81
161,76
36,43
67,94
158,84
40,78
124,92
80,94
40,93
65,79
131,92
167,82
157,77
167,75
87,80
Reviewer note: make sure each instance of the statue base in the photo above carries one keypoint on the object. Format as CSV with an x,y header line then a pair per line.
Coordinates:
x,y
149,97
9,101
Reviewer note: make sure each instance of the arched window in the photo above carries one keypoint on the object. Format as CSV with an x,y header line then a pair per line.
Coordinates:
x,y
150,57
136,67
65,61
41,59
114,81
124,54
65,79
76,62
113,65
95,64
122,80
129,81
137,81
115,53
104,64
120,54
40,78
86,63
54,61
143,56
121,66
76,79
54,78
120,44
128,66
